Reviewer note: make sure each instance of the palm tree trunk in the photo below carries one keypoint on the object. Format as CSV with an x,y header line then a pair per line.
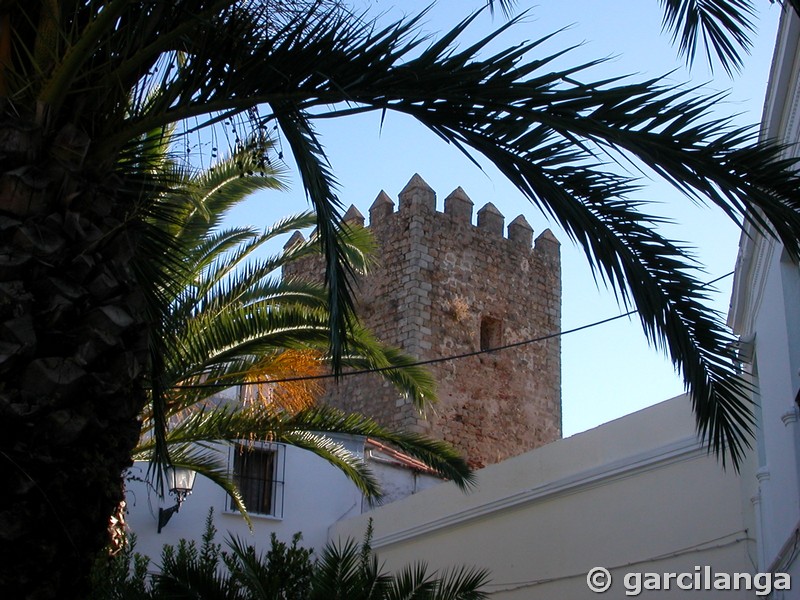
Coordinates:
x,y
72,348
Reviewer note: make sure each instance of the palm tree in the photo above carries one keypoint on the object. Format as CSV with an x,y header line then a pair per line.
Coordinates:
x,y
78,256
228,319
342,571
721,28
346,571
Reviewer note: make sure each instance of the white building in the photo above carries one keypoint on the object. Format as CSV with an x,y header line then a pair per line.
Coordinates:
x,y
286,490
636,495
640,494
765,313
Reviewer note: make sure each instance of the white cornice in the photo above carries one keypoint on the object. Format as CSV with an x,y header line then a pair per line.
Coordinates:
x,y
780,105
686,449
781,122
750,280
790,416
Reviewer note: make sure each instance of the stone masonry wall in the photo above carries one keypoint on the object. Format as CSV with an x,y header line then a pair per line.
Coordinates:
x,y
443,287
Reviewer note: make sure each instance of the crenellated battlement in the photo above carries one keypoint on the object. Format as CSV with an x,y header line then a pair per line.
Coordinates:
x,y
443,286
418,196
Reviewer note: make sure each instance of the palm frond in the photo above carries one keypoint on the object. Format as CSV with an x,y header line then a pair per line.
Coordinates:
x,y
437,454
337,455
461,583
284,571
722,27
214,191
245,333
306,429
320,186
180,221
251,568
413,380
552,135
213,249
202,457
192,439
506,6
346,571
227,346
545,132
338,574
183,576
412,582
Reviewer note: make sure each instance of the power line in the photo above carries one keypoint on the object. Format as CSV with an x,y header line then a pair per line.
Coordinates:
x,y
695,549
430,361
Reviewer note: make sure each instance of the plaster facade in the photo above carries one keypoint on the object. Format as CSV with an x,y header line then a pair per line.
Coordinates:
x,y
637,495
300,505
309,495
765,314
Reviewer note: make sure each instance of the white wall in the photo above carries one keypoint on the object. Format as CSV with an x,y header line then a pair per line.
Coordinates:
x,y
315,495
636,494
765,310
775,486
397,481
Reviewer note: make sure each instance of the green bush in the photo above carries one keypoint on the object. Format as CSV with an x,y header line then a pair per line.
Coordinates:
x,y
347,571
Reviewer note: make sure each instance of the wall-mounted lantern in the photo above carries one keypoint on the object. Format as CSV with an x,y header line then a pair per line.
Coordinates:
x,y
181,482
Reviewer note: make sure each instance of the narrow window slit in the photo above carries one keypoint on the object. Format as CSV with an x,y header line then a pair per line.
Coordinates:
x,y
491,333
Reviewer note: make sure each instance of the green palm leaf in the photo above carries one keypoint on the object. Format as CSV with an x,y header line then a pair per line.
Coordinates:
x,y
461,583
550,133
544,132
412,582
192,439
345,571
340,575
435,453
93,92
724,27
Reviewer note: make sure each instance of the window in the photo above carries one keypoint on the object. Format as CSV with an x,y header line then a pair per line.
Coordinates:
x,y
259,478
491,333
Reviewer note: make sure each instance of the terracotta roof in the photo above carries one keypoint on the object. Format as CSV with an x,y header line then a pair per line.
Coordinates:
x,y
402,459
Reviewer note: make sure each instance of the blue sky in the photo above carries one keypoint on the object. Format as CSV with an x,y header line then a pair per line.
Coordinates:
x,y
607,371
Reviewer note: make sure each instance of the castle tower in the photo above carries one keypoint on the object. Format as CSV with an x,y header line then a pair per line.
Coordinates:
x,y
442,287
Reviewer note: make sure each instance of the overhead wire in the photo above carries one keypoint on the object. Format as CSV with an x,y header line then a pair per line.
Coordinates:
x,y
429,361
719,543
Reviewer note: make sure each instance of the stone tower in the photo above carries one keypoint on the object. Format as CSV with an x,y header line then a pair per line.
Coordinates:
x,y
442,287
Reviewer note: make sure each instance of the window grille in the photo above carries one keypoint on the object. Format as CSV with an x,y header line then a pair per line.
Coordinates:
x,y
258,471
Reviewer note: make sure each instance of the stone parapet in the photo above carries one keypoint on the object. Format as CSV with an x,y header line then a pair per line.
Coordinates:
x,y
443,287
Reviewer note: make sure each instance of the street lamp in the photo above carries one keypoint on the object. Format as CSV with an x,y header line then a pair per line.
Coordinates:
x,y
181,482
